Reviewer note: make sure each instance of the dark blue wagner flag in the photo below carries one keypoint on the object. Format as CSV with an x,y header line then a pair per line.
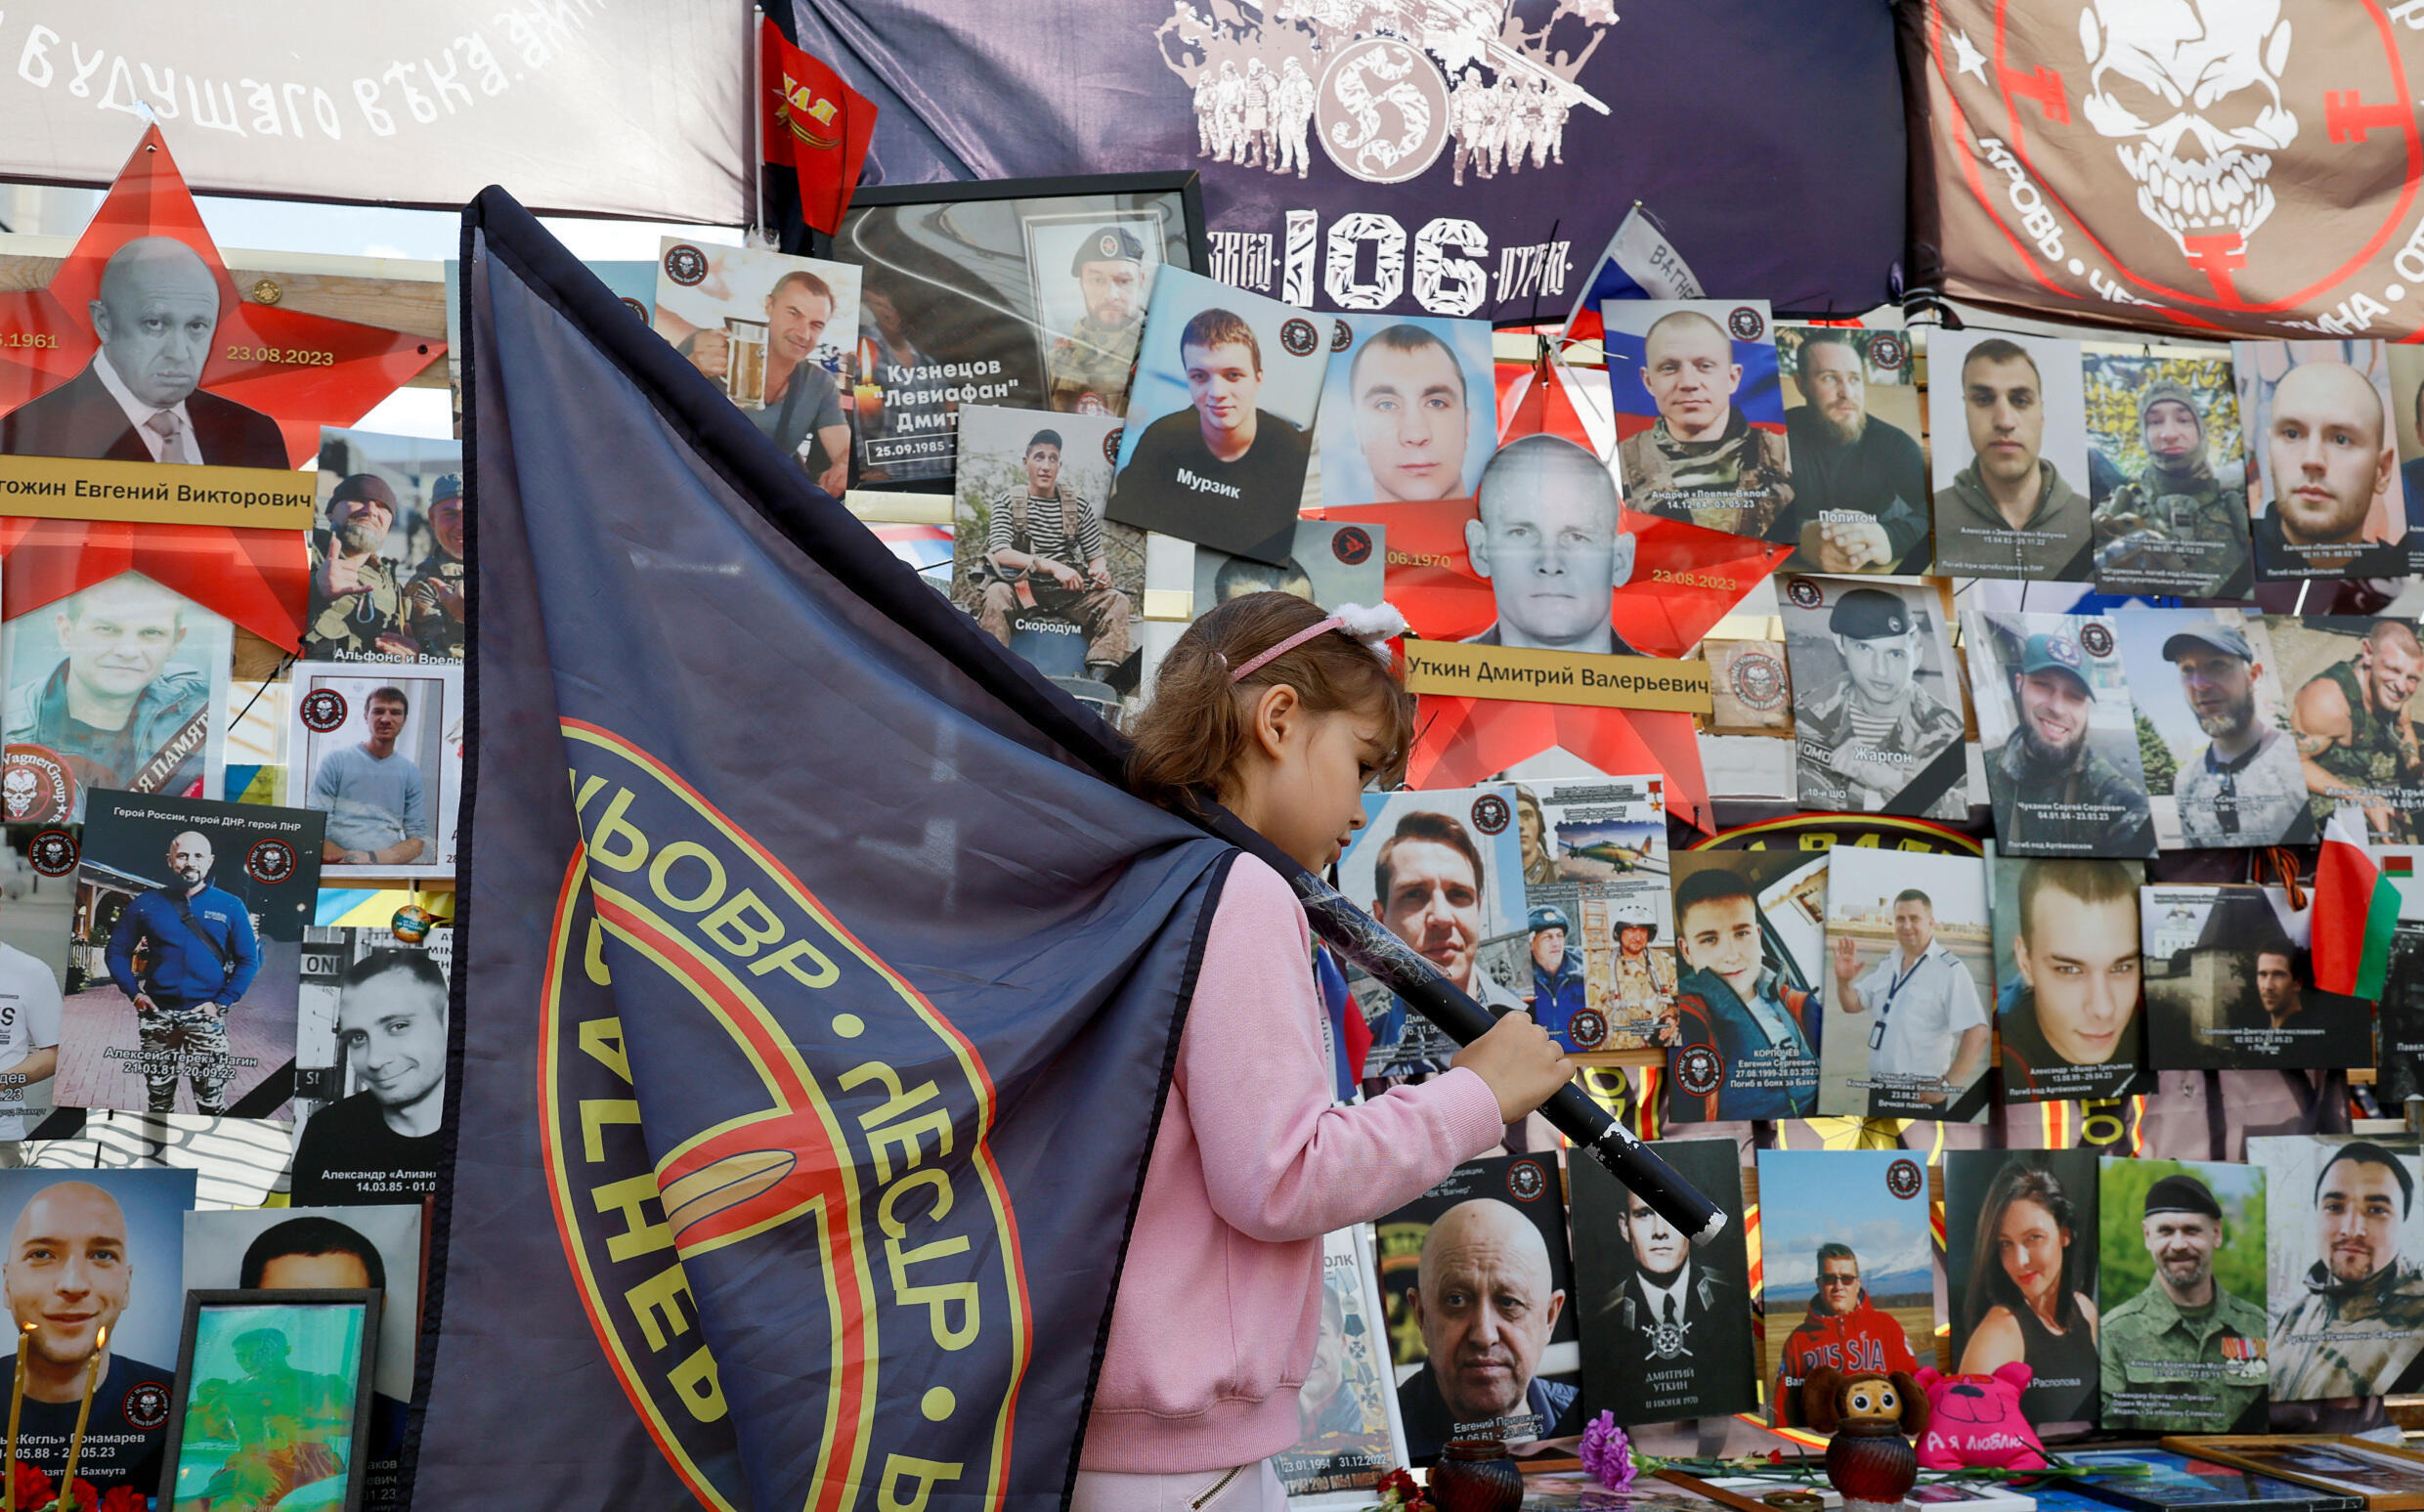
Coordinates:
x,y
817,989
1450,158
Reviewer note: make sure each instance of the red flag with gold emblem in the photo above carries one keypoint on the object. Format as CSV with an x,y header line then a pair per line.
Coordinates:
x,y
814,124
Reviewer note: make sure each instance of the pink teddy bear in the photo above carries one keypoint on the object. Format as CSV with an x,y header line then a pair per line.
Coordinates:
x,y
1975,1420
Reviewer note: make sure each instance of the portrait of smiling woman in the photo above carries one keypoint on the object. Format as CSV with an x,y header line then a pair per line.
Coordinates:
x,y
2028,1291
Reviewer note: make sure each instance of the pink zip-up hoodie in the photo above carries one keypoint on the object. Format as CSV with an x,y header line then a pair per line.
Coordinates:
x,y
1219,1304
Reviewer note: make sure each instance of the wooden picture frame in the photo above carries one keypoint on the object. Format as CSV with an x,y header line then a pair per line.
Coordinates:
x,y
2247,1452
218,1323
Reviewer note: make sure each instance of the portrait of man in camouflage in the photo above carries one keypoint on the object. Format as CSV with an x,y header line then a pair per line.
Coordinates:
x,y
2169,500
1088,366
1703,461
2351,1323
1870,737
2185,1354
2064,771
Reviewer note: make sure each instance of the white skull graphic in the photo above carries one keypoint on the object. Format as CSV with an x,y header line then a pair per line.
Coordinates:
x,y
20,790
2190,91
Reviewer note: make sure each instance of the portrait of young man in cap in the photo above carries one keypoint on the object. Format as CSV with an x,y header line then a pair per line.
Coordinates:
x,y
1868,736
2244,785
2184,1355
1088,366
2177,523
2059,785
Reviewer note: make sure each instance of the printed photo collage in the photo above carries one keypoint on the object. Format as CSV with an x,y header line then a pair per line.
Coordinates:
x,y
165,939
2058,1280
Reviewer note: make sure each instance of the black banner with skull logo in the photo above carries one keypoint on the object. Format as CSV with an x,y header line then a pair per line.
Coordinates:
x,y
2208,165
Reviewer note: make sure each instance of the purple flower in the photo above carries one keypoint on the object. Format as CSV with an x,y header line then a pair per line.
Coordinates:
x,y
1607,1453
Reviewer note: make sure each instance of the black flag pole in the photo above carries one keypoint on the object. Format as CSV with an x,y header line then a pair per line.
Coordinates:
x,y
1368,943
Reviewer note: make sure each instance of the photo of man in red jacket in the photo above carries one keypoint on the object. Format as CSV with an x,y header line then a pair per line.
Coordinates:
x,y
1843,1328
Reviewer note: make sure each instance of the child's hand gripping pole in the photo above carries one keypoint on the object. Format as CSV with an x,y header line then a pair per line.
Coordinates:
x,y
1361,939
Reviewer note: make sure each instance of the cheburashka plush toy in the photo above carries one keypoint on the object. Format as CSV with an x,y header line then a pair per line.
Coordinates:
x,y
1869,1460
1975,1421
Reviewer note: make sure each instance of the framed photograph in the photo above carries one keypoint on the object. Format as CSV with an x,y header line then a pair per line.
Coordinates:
x,y
1877,721
1409,411
2172,1480
182,984
780,333
1848,1262
370,1073
1910,974
114,1235
2223,769
1034,561
2231,985
1331,565
1028,293
1496,1223
1351,1435
1665,1328
2009,422
2021,1250
2063,769
2389,1479
386,549
1750,948
2182,1235
1443,871
380,752
273,1395
1221,418
122,684
1859,482
2324,455
2167,471
1601,927
2068,967
1699,413
2352,684
2342,1234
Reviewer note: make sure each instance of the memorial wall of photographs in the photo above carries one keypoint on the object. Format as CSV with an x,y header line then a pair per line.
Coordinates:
x,y
2032,918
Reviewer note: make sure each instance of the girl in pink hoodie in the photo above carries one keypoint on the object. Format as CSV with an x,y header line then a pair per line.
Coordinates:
x,y
1276,710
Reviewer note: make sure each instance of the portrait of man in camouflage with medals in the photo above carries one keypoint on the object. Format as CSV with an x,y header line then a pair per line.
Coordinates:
x,y
1087,368
2167,478
1876,719
2184,1353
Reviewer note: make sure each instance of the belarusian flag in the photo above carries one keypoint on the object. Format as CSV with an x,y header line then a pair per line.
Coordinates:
x,y
2355,911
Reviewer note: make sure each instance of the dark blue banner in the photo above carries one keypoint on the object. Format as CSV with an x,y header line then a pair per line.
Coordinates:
x,y
1454,158
817,993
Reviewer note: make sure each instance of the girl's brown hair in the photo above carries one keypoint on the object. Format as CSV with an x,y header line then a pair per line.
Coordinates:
x,y
1195,728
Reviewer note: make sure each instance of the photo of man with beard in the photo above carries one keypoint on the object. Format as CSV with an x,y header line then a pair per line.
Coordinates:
x,y
2326,459
2010,444
2064,771
1087,368
2175,519
2346,1291
2179,1350
1859,481
2203,682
